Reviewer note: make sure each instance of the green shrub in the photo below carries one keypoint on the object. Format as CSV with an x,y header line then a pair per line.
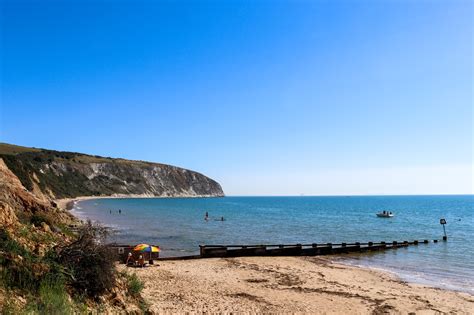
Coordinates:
x,y
16,264
88,262
54,299
135,285
9,245
37,219
65,229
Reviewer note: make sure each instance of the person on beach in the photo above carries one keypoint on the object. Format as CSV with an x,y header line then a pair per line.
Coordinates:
x,y
129,259
141,261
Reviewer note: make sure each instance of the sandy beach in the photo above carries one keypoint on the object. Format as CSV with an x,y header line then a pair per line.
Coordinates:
x,y
67,203
287,285
311,285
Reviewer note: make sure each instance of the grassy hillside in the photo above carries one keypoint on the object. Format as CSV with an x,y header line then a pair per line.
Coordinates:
x,y
47,267
59,174
11,149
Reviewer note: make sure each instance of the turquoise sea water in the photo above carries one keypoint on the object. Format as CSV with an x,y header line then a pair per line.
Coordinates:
x,y
178,226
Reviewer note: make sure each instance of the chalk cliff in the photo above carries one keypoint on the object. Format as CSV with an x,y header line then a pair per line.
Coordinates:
x,y
55,174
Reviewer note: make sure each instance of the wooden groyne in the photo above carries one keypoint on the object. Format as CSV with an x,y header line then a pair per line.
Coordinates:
x,y
314,249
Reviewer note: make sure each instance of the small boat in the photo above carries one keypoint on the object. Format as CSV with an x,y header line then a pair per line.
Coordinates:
x,y
385,214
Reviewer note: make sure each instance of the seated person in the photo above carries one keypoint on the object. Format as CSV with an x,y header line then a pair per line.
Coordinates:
x,y
141,261
129,260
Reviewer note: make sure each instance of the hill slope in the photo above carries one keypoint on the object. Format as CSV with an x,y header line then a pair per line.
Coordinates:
x,y
56,174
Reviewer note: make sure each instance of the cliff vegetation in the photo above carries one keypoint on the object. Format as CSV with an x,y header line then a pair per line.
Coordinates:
x,y
56,174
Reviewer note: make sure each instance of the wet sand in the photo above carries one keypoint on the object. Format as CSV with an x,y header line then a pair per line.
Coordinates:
x,y
309,285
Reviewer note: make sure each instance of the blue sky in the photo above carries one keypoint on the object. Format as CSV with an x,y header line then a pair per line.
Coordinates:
x,y
267,97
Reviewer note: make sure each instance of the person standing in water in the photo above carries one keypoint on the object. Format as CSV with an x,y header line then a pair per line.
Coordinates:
x,y
206,217
120,211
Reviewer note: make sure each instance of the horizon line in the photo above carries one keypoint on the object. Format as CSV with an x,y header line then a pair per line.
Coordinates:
x,y
355,195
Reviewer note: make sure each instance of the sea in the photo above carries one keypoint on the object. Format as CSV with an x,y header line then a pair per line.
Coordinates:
x,y
177,225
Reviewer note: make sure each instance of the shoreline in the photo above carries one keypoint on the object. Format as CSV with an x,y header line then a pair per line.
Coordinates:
x,y
287,285
68,204
64,203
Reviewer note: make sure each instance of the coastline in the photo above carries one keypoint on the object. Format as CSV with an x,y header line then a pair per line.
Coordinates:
x,y
66,203
319,286
287,285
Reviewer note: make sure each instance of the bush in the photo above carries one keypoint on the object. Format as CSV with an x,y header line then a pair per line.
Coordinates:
x,y
17,265
52,299
88,262
9,245
37,219
135,286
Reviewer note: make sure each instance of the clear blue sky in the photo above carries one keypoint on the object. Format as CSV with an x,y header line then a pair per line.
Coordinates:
x,y
267,97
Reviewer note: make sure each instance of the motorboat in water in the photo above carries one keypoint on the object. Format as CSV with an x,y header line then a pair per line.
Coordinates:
x,y
385,214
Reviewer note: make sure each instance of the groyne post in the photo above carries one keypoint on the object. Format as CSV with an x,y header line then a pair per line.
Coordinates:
x,y
443,223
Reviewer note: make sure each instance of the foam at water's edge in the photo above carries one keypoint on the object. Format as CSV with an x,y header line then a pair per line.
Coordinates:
x,y
412,277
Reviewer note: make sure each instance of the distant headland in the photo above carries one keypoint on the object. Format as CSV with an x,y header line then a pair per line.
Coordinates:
x,y
57,174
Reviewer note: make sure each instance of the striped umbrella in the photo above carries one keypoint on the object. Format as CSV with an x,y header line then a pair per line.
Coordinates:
x,y
146,248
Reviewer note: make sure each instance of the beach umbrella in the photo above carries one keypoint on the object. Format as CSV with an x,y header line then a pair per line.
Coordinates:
x,y
146,248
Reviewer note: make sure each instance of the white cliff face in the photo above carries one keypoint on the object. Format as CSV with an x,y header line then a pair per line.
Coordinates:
x,y
66,174
63,174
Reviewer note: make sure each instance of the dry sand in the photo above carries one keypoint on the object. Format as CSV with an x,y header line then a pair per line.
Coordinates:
x,y
310,285
288,285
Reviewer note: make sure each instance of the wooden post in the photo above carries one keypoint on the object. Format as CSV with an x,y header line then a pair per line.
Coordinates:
x,y
443,223
299,248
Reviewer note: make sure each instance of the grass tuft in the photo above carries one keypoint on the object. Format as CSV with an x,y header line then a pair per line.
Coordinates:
x,y
134,285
